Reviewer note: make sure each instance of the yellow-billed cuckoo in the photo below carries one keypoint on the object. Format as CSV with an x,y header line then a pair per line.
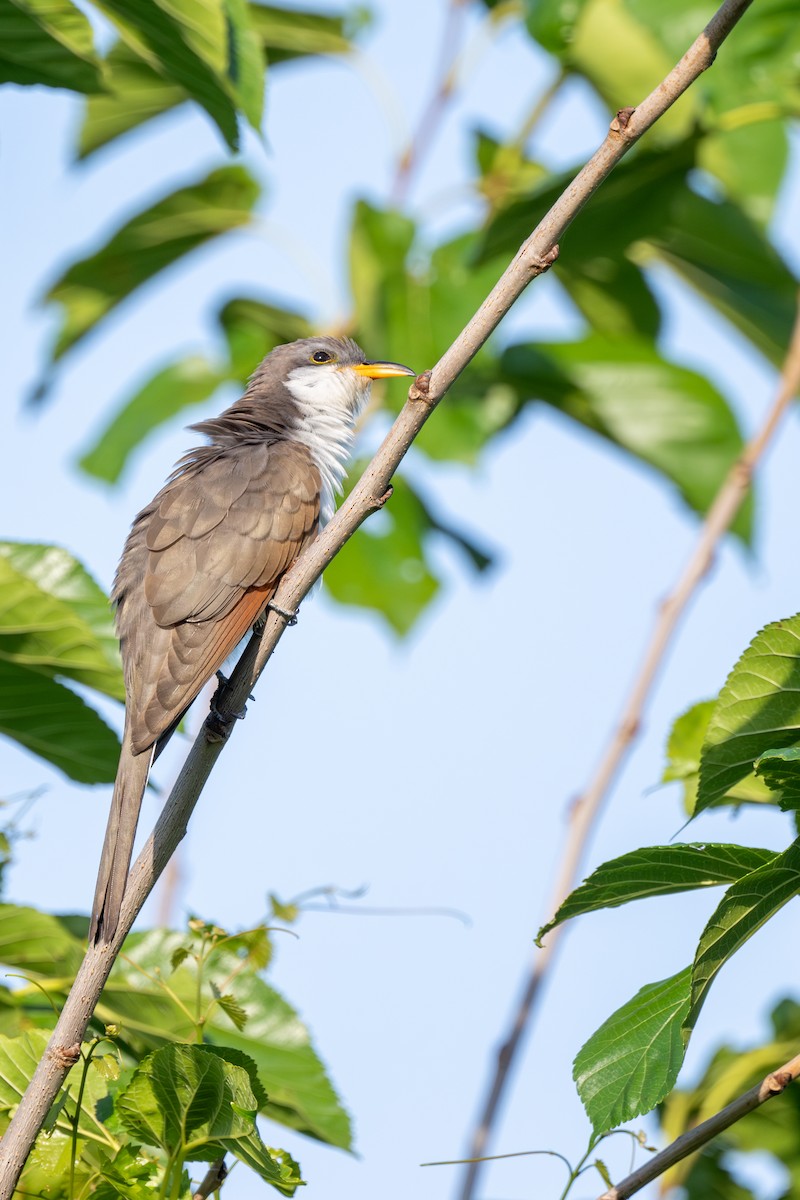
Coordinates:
x,y
204,557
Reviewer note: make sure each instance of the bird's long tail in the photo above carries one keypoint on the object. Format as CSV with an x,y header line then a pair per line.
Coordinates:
x,y
115,860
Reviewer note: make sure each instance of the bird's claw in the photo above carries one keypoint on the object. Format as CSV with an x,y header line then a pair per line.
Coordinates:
x,y
289,615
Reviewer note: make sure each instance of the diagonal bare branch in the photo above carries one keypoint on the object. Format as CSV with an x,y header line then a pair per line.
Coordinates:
x,y
534,257
688,1143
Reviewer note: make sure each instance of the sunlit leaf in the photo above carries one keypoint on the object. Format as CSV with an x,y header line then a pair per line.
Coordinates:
x,y
55,724
54,617
48,42
191,1101
658,871
146,244
780,770
758,710
683,761
665,415
744,908
632,1061
207,47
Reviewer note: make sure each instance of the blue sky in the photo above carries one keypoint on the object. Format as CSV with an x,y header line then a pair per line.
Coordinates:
x,y
438,770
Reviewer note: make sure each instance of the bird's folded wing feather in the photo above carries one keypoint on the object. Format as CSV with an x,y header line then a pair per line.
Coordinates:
x,y
201,563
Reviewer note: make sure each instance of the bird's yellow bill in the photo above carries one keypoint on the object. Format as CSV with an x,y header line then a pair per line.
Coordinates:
x,y
382,370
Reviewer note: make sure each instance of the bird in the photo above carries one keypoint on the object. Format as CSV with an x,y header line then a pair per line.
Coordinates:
x,y
203,559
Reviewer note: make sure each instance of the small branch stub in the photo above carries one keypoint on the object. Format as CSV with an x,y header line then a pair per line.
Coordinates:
x,y
420,388
622,120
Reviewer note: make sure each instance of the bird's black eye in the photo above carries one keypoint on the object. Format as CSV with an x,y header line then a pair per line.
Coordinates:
x,y
321,356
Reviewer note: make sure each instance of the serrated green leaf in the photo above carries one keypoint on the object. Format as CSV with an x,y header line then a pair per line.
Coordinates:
x,y
178,956
207,47
744,908
172,389
147,244
55,619
301,1095
658,871
632,1061
233,1009
780,770
758,710
128,1175
48,42
189,1100
683,762
55,724
667,416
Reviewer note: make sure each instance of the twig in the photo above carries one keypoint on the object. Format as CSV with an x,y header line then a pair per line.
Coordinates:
x,y
773,1085
534,257
434,110
586,809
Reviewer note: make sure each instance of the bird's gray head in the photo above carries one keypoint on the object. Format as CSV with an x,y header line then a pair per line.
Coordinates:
x,y
328,374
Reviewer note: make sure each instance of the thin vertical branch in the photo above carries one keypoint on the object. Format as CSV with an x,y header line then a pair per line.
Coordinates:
x,y
587,808
434,110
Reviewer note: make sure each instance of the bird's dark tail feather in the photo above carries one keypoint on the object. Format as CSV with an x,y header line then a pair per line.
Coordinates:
x,y
115,860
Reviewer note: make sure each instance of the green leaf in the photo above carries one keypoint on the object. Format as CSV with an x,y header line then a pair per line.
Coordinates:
x,y
711,244
173,388
632,1061
758,710
54,618
552,22
136,93
658,871
624,62
750,161
207,47
48,42
612,294
665,415
780,770
252,328
36,943
128,1175
19,1058
411,303
147,244
287,34
744,908
300,1093
385,566
188,1100
683,761
724,256
55,724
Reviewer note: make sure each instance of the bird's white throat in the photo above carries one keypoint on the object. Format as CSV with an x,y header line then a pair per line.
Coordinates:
x,y
329,399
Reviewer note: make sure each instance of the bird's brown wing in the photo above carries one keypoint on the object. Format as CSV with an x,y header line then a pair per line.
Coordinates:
x,y
202,561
